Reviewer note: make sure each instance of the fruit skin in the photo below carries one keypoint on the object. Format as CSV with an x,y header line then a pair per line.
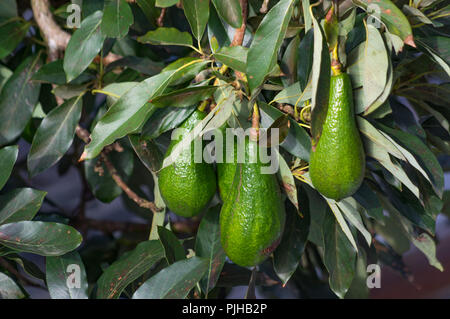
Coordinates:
x,y
185,186
227,168
337,163
252,217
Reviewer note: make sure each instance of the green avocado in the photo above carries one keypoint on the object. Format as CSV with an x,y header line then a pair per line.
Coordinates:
x,y
252,217
337,162
227,167
187,187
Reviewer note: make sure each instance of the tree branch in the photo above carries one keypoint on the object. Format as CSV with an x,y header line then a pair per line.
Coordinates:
x,y
239,34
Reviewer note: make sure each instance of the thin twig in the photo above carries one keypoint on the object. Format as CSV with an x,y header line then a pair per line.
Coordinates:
x,y
160,20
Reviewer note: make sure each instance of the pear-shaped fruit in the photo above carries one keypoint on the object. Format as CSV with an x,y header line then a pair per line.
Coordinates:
x,y
252,216
227,166
337,162
186,186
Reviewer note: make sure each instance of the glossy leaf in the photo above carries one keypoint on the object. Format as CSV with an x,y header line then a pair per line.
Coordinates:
x,y
12,33
175,281
286,257
234,57
166,3
54,136
211,121
17,100
262,55
148,152
62,275
376,66
128,268
391,16
339,257
230,11
297,142
207,245
20,204
437,48
8,156
117,18
166,36
9,289
84,45
427,159
287,181
99,179
197,14
184,97
320,81
41,238
174,251
130,111
164,120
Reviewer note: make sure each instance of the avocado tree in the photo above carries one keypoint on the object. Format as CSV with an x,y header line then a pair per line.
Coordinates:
x,y
358,92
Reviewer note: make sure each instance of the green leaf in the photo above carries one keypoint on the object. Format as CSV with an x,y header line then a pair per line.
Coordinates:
x,y
99,179
131,110
20,204
17,100
52,72
438,49
305,58
164,120
351,210
376,67
184,97
167,36
262,55
339,256
84,45
8,9
294,94
12,33
287,181
148,152
367,198
320,81
197,14
9,289
207,245
174,251
175,281
230,11
54,136
297,142
128,268
62,275
166,3
117,18
391,16
216,30
234,57
41,238
8,156
212,121
286,257
427,160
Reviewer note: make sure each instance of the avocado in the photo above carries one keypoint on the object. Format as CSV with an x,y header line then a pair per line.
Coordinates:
x,y
227,167
337,162
252,217
187,187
